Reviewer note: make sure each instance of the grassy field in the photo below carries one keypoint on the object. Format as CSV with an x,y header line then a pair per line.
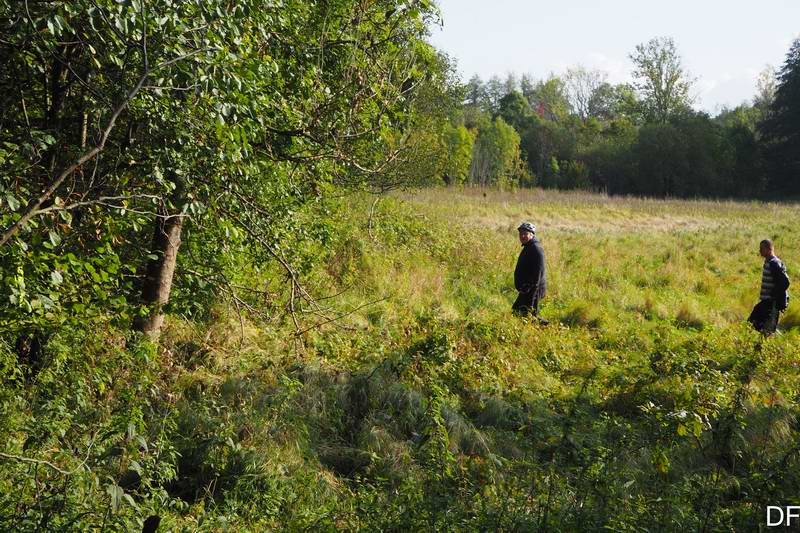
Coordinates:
x,y
619,260
647,405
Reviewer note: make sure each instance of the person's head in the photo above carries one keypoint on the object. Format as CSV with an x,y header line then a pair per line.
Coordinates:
x,y
766,248
526,232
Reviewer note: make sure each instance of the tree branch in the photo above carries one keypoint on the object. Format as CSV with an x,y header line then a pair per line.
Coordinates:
x,y
34,206
48,463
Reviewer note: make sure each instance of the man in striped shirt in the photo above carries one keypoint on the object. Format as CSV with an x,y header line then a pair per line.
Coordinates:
x,y
774,293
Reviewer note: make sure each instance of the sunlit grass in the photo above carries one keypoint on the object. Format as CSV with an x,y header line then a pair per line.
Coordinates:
x,y
429,400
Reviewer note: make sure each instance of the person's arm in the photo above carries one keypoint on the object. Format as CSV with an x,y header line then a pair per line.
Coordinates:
x,y
537,264
780,280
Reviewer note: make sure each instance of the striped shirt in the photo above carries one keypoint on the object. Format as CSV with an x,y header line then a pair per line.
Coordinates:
x,y
767,280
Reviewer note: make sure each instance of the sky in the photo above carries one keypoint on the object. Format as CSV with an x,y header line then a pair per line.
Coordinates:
x,y
724,44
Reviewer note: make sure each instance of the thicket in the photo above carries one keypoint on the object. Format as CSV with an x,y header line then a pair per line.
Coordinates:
x,y
150,152
146,145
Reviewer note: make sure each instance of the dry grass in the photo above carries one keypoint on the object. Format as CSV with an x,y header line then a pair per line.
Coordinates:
x,y
693,262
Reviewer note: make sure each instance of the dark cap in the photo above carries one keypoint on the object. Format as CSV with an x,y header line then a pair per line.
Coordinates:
x,y
527,226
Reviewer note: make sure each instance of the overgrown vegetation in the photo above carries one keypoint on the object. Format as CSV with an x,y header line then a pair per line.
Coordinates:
x,y
652,406
222,309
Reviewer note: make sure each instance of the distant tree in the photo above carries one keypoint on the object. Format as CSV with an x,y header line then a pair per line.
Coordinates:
x,y
515,110
766,85
527,85
744,115
581,85
747,177
661,160
663,84
549,99
545,141
511,83
495,156
475,93
611,102
475,119
611,158
686,158
459,142
781,129
495,90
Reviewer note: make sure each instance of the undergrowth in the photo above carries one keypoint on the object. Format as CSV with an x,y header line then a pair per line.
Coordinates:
x,y
646,405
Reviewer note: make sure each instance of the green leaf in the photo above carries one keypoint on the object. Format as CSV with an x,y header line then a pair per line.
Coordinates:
x,y
56,277
130,501
13,203
117,493
54,238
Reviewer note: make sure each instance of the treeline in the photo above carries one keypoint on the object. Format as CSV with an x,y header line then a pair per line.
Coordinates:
x,y
578,130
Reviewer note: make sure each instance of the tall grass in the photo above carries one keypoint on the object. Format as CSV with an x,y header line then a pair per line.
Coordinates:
x,y
647,404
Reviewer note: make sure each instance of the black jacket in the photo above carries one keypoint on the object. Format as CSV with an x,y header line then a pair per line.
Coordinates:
x,y
780,280
530,272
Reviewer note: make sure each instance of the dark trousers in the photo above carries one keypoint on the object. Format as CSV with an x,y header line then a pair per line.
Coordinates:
x,y
765,317
526,304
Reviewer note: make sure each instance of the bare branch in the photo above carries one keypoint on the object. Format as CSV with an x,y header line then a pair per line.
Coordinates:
x,y
48,463
341,316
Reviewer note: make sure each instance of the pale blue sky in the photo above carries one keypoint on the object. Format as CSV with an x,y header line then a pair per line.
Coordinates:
x,y
725,44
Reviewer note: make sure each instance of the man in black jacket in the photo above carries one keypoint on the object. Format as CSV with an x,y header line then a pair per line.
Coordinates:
x,y
774,293
530,279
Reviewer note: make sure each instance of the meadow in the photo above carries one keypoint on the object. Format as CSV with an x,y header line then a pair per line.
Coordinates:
x,y
647,404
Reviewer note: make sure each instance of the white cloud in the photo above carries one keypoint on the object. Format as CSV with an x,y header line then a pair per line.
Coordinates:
x,y
617,70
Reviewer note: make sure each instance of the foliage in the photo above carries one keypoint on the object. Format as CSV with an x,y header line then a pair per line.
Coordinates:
x,y
460,142
663,84
583,86
333,362
579,131
495,157
434,409
122,120
781,129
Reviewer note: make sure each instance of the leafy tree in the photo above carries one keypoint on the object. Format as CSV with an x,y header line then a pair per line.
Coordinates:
x,y
496,156
495,90
132,129
781,129
526,86
549,99
766,85
747,173
515,110
683,159
476,119
475,93
612,160
511,83
663,84
610,102
744,115
459,142
545,141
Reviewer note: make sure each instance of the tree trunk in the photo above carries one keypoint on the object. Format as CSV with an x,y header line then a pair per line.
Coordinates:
x,y
160,271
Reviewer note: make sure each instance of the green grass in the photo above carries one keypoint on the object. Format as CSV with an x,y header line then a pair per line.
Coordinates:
x,y
646,405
